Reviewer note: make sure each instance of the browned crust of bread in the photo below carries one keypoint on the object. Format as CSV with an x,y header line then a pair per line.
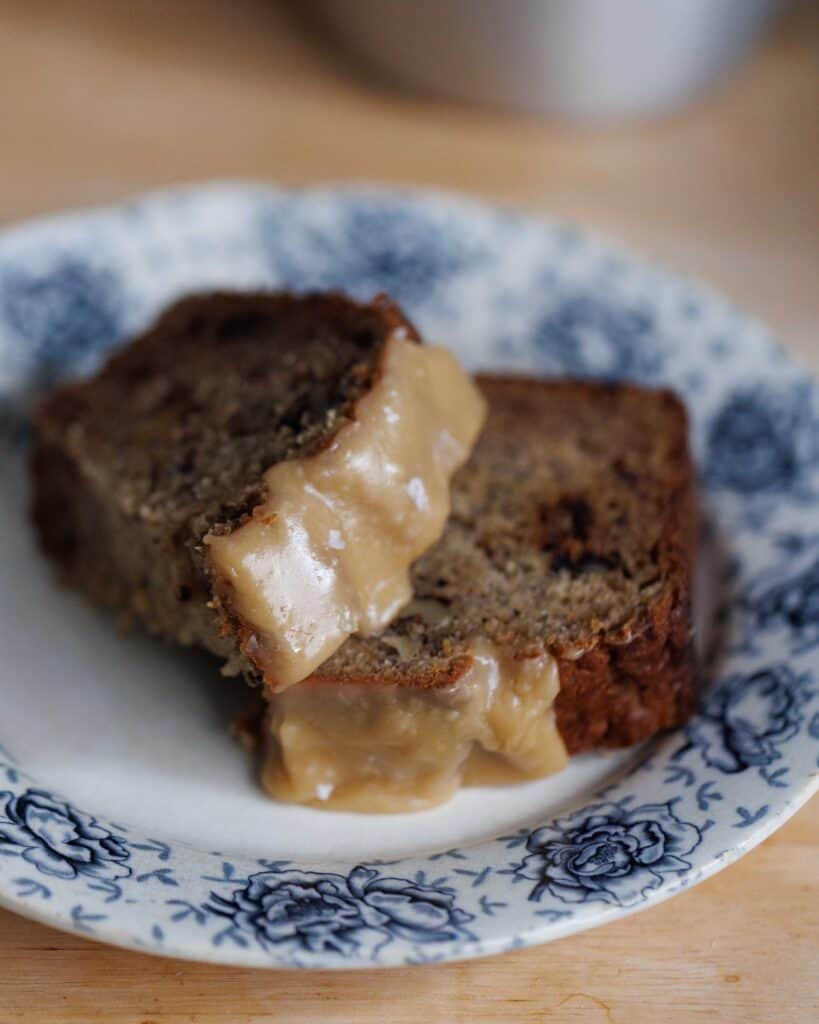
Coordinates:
x,y
626,689
431,677
640,679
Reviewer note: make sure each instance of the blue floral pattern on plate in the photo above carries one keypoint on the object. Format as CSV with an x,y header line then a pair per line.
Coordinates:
x,y
791,602
587,337
609,853
65,313
59,840
507,291
364,248
746,720
332,913
763,441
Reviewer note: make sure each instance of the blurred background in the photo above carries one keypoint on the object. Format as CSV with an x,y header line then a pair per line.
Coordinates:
x,y
686,128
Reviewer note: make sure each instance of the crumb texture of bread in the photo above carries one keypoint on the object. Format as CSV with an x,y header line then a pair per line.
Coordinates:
x,y
572,532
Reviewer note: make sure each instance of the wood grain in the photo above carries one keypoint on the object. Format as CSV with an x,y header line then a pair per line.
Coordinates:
x,y
101,99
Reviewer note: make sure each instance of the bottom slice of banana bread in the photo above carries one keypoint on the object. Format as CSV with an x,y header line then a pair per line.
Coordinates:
x,y
553,616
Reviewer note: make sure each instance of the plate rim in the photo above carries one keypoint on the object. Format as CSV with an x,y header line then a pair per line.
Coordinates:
x,y
483,948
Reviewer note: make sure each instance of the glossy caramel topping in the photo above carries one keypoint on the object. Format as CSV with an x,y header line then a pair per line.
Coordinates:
x,y
385,749
328,553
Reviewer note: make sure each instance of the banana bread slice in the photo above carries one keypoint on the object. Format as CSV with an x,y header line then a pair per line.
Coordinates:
x,y
174,484
569,550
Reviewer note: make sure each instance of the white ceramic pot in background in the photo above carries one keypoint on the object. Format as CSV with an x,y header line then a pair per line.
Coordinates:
x,y
587,59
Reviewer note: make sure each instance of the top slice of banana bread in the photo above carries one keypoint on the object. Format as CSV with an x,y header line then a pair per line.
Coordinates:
x,y
132,467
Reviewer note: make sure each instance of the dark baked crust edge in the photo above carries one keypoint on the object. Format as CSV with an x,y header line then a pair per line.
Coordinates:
x,y
627,688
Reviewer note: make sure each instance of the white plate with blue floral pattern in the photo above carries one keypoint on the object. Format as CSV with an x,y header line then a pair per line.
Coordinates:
x,y
128,814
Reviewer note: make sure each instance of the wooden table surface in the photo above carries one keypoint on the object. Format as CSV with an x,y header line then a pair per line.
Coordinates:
x,y
101,99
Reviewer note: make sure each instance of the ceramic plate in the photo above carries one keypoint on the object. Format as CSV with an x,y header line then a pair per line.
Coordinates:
x,y
129,815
